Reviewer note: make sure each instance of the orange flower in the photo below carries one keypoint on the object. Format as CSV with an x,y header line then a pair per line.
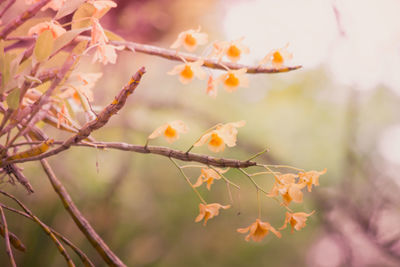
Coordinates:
x,y
221,136
233,79
208,176
188,71
286,186
258,230
52,25
209,211
233,49
297,220
190,39
277,57
101,7
170,131
105,53
82,83
310,178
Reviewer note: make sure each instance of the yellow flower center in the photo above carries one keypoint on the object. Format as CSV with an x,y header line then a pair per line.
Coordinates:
x,y
260,232
232,80
190,40
170,132
216,141
187,72
277,58
233,51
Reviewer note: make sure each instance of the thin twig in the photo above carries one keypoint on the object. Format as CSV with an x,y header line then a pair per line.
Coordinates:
x,y
45,228
83,224
159,150
7,239
253,182
6,7
188,181
209,63
85,260
24,16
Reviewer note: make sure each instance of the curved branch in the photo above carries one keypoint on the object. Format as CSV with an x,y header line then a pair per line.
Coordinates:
x,y
83,224
209,63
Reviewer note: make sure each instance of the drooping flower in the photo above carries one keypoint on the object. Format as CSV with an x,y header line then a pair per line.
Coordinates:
x,y
80,84
233,50
188,71
311,178
104,53
221,136
286,186
170,131
53,26
232,79
277,57
190,39
101,6
297,220
258,230
209,211
208,176
212,86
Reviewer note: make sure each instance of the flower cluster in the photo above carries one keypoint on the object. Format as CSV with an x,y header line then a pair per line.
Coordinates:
x,y
232,79
288,185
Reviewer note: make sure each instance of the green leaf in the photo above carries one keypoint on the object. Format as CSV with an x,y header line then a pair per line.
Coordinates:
x,y
66,38
13,99
81,18
44,46
68,7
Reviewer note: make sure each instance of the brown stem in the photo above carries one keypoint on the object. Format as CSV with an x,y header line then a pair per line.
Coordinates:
x,y
45,228
7,238
96,241
85,260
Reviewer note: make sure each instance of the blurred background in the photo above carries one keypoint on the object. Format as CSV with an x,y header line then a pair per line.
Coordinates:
x,y
340,112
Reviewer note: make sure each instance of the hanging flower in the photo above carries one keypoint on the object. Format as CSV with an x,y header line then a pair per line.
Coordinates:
x,y
221,136
104,53
208,176
53,26
188,71
212,86
232,79
258,230
101,7
277,57
233,50
209,211
170,131
190,39
286,186
297,220
311,178
80,84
